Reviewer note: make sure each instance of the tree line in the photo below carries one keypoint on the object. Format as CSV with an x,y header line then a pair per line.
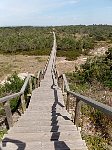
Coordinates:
x,y
71,40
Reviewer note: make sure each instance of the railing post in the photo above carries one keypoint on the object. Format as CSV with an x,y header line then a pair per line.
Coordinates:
x,y
63,85
59,83
8,113
35,81
23,103
30,84
38,79
38,82
68,101
40,76
77,112
56,75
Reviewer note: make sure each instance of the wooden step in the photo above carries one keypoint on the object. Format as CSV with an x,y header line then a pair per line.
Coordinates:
x,y
42,118
36,129
56,145
42,123
44,136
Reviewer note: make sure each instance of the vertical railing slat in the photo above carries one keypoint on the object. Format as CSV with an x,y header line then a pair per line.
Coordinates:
x,y
8,112
23,103
68,102
77,112
30,84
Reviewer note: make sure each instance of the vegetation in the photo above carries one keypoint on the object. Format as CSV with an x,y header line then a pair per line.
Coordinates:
x,y
2,132
94,75
98,68
72,41
13,85
25,40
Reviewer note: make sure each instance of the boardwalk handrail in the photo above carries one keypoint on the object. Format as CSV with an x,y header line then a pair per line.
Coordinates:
x,y
28,81
7,98
95,104
21,95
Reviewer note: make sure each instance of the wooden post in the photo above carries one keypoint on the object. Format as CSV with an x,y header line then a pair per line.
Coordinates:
x,y
23,103
38,82
56,75
8,113
68,102
63,85
77,112
35,81
30,84
38,79
59,83
40,76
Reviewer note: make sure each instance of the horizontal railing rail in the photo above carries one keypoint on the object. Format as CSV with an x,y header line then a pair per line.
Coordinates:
x,y
7,98
63,84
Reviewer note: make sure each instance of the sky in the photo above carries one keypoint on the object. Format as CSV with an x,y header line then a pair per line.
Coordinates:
x,y
55,12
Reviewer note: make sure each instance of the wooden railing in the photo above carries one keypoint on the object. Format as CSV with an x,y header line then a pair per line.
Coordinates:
x,y
29,81
21,95
63,84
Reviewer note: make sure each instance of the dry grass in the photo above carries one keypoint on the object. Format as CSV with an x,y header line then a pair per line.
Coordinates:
x,y
31,64
20,64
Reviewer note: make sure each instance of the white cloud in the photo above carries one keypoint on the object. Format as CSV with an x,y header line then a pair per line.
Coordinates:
x,y
32,11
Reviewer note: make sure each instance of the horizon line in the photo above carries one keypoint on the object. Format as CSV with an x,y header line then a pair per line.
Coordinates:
x,y
54,25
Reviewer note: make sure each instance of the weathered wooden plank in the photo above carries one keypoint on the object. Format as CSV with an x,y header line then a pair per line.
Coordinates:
x,y
7,98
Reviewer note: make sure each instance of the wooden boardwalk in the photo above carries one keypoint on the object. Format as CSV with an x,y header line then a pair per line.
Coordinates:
x,y
46,124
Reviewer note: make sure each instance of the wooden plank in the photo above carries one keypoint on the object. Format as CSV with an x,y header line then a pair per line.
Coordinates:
x,y
7,98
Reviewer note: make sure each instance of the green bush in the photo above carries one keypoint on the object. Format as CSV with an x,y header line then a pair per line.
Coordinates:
x,y
96,70
13,85
2,132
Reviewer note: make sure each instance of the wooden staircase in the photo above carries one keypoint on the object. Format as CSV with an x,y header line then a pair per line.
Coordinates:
x,y
45,125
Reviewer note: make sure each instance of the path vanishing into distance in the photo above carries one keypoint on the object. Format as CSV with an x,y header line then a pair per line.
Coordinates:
x,y
45,125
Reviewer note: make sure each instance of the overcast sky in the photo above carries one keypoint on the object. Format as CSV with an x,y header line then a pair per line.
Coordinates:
x,y
55,12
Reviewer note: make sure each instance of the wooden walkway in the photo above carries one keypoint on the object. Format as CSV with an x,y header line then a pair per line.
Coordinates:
x,y
46,124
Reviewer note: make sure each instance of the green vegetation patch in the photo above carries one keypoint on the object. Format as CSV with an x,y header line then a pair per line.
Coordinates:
x,y
13,85
72,41
94,73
